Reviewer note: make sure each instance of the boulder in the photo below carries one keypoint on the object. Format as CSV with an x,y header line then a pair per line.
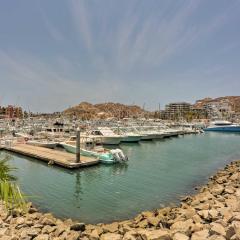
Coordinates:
x,y
48,229
204,214
111,236
236,226
203,206
20,220
213,214
233,203
216,237
93,235
72,235
161,234
143,224
200,235
112,228
217,189
230,232
42,237
147,214
3,231
183,226
180,236
131,235
229,190
60,229
154,221
33,232
217,228
48,221
78,227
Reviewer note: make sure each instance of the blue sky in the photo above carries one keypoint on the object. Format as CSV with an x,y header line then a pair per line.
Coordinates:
x,y
57,53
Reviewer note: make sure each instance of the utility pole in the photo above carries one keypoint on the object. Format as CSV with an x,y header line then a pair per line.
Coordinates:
x,y
78,146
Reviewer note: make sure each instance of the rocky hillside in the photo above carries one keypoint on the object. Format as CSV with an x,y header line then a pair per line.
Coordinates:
x,y
87,110
234,102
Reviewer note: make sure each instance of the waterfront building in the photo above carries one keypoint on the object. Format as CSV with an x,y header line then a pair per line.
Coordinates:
x,y
11,112
218,109
177,110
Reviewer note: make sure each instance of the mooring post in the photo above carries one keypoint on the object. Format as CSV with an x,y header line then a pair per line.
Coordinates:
x,y
78,146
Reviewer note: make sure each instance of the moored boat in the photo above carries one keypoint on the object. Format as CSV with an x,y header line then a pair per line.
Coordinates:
x,y
39,143
105,155
223,126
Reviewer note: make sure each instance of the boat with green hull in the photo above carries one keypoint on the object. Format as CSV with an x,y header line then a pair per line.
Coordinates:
x,y
104,155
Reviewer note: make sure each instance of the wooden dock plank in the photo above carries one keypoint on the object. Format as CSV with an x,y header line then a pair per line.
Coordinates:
x,y
50,155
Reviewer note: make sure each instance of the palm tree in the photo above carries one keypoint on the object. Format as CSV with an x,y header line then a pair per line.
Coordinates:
x,y
10,193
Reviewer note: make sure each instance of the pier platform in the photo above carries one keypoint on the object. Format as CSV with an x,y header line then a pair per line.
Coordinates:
x,y
64,159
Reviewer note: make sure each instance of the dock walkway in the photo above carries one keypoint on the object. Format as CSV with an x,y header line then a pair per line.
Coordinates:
x,y
52,156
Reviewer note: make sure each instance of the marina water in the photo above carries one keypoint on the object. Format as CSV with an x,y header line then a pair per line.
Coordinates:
x,y
158,173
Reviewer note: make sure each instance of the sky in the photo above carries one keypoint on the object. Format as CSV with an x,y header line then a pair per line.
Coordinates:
x,y
55,54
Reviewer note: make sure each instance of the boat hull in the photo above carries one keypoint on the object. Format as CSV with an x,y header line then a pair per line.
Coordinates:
x,y
111,140
106,158
146,138
131,139
223,129
39,144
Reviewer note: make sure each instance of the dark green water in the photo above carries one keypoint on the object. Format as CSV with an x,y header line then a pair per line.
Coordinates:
x,y
158,173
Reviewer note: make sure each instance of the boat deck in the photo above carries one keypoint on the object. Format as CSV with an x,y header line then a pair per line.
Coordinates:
x,y
52,156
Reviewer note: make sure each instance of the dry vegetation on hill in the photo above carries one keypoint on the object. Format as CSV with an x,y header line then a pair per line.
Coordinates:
x,y
87,110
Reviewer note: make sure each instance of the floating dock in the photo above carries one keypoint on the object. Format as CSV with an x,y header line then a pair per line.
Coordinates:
x,y
52,156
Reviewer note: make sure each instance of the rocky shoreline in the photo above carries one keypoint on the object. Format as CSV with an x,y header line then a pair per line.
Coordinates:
x,y
213,213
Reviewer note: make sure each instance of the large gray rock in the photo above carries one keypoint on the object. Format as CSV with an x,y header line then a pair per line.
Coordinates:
x,y
78,227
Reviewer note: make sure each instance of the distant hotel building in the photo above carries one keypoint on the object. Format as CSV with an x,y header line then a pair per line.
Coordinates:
x,y
11,112
176,110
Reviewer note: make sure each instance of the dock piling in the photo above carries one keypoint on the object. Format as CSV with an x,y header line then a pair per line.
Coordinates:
x,y
78,146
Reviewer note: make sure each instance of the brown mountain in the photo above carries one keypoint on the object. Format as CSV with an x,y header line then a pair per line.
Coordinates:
x,y
87,110
234,102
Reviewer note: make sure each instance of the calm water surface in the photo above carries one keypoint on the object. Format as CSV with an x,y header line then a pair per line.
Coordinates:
x,y
158,172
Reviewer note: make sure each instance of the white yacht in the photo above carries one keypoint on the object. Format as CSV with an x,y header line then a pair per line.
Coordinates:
x,y
107,136
127,135
223,126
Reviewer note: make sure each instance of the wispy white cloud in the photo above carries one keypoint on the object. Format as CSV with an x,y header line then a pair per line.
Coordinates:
x,y
81,21
161,36
53,31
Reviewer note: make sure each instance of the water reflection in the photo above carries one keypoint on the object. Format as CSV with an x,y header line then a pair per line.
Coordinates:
x,y
78,190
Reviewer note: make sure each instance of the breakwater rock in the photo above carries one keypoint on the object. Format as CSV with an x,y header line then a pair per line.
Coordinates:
x,y
213,213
